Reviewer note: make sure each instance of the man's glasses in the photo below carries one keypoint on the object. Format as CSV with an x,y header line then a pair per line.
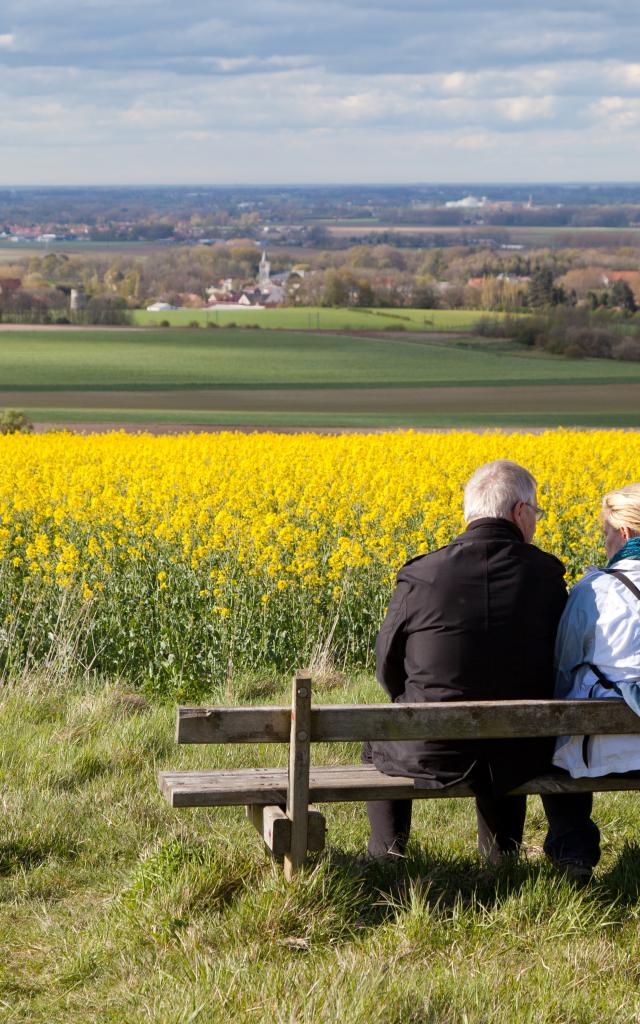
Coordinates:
x,y
540,512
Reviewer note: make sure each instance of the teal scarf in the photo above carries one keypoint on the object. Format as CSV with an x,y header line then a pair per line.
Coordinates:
x,y
630,550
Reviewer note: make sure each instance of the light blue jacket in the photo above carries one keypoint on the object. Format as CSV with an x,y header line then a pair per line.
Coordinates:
x,y
600,625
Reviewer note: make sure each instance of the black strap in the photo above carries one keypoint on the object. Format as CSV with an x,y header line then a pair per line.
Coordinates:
x,y
624,579
608,685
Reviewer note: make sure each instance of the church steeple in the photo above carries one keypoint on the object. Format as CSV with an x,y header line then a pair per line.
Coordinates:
x,y
264,271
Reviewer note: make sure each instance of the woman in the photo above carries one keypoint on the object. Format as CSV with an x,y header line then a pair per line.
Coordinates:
x,y
598,643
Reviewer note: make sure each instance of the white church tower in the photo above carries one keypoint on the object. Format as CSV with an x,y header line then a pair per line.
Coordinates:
x,y
264,280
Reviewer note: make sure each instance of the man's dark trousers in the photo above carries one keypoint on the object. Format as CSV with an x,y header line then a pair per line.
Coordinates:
x,y
571,836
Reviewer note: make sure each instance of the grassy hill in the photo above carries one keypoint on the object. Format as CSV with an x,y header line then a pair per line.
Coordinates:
x,y
116,908
125,360
320,318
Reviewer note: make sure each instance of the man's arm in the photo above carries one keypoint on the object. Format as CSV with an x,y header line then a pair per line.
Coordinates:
x,y
390,644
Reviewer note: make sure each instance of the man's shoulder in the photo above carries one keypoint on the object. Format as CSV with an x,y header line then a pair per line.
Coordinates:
x,y
425,561
545,558
424,565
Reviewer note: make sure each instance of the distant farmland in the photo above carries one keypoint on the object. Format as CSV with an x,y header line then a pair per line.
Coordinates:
x,y
319,318
286,378
529,237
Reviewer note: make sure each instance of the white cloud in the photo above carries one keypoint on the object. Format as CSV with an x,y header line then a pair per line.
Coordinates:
x,y
477,141
527,108
146,115
626,75
616,113
265,82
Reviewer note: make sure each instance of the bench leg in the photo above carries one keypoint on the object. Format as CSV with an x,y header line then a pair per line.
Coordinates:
x,y
298,788
275,828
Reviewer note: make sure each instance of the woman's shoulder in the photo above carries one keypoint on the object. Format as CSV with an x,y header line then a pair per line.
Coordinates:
x,y
594,577
599,593
590,590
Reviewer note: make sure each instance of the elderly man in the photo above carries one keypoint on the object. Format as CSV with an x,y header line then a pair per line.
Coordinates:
x,y
475,620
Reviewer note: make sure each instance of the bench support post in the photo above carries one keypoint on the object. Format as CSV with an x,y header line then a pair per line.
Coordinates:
x,y
299,762
272,824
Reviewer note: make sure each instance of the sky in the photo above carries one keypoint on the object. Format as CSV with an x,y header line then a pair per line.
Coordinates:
x,y
272,91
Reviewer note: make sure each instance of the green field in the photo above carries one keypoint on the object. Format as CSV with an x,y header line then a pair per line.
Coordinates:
x,y
235,377
130,360
528,236
117,909
314,318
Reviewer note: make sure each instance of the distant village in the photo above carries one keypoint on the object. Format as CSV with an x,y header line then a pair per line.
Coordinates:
x,y
266,292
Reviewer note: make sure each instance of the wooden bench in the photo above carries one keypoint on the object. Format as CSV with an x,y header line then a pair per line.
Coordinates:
x,y
280,801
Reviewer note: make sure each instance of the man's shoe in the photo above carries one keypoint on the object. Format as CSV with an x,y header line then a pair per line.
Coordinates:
x,y
578,871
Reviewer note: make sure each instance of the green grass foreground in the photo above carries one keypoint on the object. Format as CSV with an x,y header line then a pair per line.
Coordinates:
x,y
115,908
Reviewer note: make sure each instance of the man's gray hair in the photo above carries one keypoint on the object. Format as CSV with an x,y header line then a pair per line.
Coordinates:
x,y
495,488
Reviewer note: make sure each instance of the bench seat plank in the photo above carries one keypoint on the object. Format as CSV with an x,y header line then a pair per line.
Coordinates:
x,y
336,783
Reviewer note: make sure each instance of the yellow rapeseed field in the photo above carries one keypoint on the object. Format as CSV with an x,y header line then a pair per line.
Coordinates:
x,y
176,560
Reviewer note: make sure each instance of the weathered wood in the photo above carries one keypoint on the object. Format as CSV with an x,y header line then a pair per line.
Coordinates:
x,y
446,721
233,725
336,783
298,782
275,828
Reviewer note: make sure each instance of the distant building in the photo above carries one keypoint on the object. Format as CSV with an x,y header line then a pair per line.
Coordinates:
x,y
264,272
632,278
77,299
8,285
271,289
468,203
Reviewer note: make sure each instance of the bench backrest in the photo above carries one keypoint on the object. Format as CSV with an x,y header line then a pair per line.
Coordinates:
x,y
460,720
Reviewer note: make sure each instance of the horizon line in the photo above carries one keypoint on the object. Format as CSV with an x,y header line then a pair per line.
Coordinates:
x,y
331,184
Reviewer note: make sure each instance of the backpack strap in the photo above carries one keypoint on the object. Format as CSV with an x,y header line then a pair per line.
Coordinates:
x,y
604,682
624,579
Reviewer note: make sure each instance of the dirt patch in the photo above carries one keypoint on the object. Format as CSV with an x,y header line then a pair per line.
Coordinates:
x,y
559,398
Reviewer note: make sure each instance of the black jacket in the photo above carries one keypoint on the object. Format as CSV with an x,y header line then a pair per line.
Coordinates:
x,y
475,620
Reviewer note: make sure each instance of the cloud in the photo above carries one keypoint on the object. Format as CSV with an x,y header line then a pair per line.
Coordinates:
x,y
527,108
616,113
128,76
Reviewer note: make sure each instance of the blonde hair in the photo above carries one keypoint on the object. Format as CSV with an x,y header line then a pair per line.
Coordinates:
x,y
622,507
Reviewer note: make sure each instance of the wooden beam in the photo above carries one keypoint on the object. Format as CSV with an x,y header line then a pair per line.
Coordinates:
x,y
457,720
298,782
233,725
345,783
275,828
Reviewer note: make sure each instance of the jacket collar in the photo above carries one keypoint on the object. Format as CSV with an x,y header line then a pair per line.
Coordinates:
x,y
496,527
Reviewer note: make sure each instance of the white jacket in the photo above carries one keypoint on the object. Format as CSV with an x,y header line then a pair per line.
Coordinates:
x,y
600,625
